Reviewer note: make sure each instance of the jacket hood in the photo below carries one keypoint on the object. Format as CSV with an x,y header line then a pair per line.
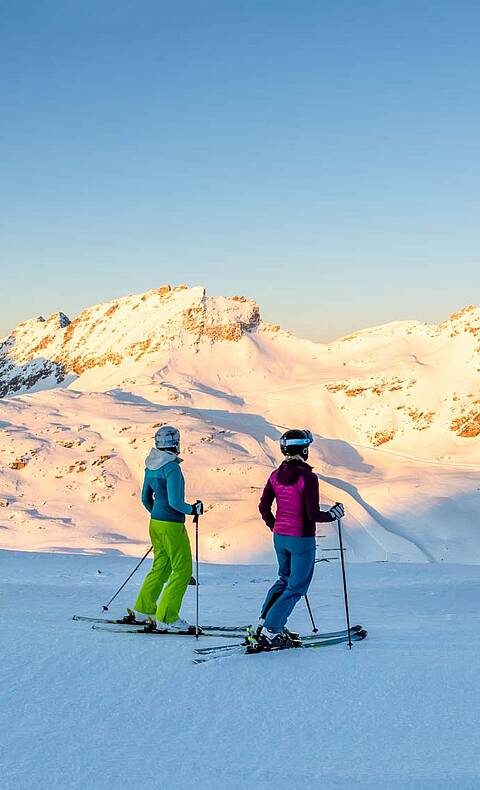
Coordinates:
x,y
291,471
158,458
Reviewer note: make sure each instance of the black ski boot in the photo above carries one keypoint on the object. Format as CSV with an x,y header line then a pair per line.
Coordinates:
x,y
130,618
149,625
267,640
292,635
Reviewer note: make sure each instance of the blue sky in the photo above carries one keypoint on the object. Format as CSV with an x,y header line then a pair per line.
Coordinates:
x,y
321,157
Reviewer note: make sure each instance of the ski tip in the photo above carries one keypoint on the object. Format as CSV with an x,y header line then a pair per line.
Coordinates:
x,y
358,636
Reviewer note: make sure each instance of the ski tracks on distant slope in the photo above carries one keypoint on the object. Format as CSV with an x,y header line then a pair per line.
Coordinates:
x,y
387,524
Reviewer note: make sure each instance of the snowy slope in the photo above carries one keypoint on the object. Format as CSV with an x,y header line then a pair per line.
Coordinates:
x,y
395,410
88,710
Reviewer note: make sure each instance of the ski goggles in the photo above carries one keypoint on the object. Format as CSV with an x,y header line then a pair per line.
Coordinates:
x,y
306,441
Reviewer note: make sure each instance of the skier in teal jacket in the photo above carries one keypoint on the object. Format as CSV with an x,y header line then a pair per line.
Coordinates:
x,y
163,495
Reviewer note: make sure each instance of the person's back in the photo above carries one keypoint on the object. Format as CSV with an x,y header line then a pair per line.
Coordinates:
x,y
163,490
294,487
163,495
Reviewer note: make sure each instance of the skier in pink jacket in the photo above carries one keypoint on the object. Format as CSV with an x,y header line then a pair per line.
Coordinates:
x,y
295,488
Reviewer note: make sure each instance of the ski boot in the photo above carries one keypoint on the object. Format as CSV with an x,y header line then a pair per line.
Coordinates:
x,y
131,618
268,640
177,627
293,636
150,624
259,627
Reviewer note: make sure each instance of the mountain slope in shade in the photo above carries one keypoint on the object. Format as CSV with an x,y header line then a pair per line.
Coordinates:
x,y
395,410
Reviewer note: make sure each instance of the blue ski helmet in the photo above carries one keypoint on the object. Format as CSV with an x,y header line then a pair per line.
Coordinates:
x,y
296,442
168,438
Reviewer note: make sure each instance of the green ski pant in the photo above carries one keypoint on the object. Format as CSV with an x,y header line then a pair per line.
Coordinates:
x,y
173,563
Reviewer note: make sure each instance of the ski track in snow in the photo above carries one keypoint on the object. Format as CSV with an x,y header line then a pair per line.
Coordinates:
x,y
85,710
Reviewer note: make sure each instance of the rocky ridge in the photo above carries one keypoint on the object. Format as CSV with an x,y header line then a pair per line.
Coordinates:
x,y
391,382
432,381
46,352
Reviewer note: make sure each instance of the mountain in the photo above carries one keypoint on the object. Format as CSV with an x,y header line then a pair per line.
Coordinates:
x,y
46,352
395,410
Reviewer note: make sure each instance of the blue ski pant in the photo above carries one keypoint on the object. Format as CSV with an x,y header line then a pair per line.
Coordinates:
x,y
296,563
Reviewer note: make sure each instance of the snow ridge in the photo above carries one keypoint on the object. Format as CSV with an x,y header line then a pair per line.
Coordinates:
x,y
124,329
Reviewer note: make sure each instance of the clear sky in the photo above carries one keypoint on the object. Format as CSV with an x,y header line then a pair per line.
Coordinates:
x,y
320,157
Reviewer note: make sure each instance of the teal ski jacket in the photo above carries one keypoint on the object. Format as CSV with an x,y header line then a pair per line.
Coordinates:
x,y
163,492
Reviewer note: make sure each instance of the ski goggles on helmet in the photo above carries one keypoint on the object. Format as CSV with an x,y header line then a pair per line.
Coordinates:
x,y
298,441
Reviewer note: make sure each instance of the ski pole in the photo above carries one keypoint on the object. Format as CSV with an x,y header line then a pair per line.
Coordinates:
x,y
347,614
105,607
314,627
195,521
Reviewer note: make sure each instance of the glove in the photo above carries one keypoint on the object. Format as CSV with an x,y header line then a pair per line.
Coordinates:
x,y
337,511
197,508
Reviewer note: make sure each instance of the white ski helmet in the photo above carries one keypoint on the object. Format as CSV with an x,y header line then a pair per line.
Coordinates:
x,y
167,438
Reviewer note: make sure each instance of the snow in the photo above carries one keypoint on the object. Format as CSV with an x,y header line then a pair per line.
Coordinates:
x,y
395,411
81,458
84,709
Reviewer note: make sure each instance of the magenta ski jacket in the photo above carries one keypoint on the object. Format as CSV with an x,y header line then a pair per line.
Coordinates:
x,y
295,488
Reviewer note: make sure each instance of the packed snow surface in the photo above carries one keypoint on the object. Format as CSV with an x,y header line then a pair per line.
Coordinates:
x,y
88,710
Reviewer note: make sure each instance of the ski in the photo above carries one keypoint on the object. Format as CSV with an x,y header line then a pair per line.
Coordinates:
x,y
105,620
204,631
235,629
330,634
242,650
307,638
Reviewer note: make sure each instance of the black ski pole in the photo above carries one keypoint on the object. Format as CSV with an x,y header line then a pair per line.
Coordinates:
x,y
195,521
347,614
314,627
105,607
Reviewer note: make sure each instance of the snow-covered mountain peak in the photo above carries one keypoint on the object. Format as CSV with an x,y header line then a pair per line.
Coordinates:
x,y
467,313
32,335
465,320
58,319
40,352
